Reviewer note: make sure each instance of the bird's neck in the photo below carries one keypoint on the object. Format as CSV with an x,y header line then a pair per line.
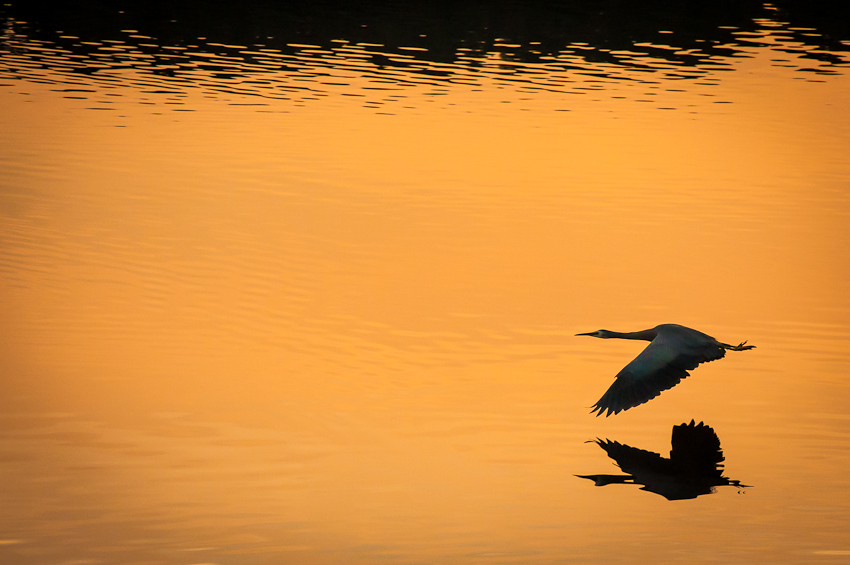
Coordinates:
x,y
647,335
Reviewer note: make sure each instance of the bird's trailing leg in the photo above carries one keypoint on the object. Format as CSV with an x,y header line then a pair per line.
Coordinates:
x,y
740,347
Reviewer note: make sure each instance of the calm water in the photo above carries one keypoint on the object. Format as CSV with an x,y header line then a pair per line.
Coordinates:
x,y
300,284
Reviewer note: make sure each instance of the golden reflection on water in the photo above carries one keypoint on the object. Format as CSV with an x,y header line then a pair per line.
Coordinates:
x,y
325,334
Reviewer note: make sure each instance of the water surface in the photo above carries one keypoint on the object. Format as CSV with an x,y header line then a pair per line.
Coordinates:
x,y
301,284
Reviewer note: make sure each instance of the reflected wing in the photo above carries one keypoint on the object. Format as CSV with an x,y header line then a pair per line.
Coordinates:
x,y
696,450
660,366
634,461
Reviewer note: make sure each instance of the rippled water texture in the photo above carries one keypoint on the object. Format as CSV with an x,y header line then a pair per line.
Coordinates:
x,y
300,284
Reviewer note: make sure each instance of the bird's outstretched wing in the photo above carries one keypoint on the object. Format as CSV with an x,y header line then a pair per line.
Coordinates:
x,y
633,460
696,450
660,366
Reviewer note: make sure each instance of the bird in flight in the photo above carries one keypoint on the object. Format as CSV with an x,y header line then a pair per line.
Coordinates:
x,y
674,350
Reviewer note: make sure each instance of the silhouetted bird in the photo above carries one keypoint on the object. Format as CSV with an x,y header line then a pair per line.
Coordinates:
x,y
693,469
674,351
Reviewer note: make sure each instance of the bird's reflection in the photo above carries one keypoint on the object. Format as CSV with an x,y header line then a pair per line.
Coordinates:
x,y
694,468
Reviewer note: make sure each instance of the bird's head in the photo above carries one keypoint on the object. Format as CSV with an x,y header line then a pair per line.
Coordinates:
x,y
604,334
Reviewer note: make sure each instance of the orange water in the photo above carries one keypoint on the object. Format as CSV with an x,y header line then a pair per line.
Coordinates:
x,y
340,328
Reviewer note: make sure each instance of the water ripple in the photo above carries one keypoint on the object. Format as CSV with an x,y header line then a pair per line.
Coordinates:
x,y
345,62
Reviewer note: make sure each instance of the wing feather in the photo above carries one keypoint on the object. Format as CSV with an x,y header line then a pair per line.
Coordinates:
x,y
662,365
632,460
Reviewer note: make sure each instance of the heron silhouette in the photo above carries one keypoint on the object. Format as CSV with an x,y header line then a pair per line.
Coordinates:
x,y
674,350
695,466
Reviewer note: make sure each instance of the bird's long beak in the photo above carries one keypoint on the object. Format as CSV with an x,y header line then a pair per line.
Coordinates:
x,y
589,333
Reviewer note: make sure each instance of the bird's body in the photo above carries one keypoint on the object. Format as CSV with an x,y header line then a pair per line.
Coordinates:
x,y
674,350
